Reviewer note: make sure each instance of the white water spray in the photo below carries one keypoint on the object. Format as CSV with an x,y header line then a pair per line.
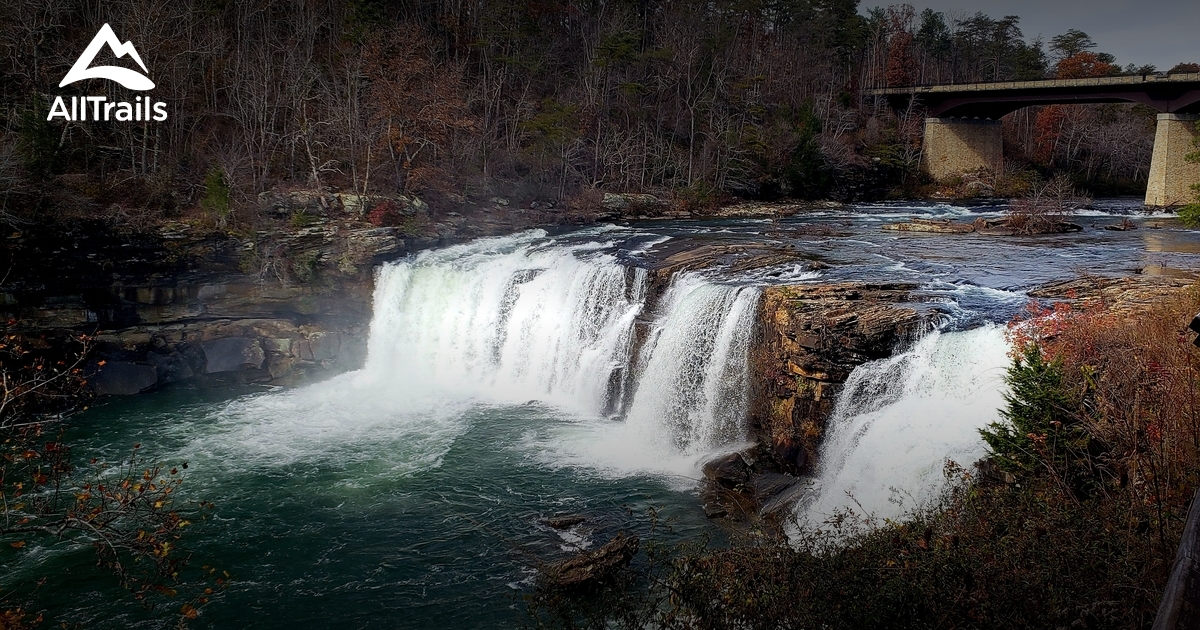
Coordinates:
x,y
695,367
506,321
899,419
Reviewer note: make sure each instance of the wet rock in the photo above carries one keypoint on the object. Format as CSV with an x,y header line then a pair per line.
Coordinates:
x,y
122,378
775,491
175,366
630,201
591,568
935,227
728,470
566,521
812,337
712,509
233,354
318,347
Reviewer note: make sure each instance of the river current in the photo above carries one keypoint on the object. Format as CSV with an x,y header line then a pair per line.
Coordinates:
x,y
505,383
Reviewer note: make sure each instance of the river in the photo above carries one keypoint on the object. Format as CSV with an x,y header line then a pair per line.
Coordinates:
x,y
503,385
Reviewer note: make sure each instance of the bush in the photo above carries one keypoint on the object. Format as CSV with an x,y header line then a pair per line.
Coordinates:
x,y
385,214
1046,207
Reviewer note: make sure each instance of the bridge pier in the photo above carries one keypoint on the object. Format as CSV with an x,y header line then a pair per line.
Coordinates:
x,y
954,146
1171,174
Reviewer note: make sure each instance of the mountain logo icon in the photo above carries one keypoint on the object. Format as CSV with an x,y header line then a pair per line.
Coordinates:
x,y
126,77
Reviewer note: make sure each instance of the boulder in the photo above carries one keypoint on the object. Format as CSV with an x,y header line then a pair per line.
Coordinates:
x,y
123,378
591,568
564,522
174,366
728,470
934,227
813,336
775,491
293,201
319,346
232,354
630,201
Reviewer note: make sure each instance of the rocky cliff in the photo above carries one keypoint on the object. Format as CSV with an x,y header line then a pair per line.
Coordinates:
x,y
810,338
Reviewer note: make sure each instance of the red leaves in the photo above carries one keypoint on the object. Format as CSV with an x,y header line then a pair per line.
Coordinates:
x,y
1084,65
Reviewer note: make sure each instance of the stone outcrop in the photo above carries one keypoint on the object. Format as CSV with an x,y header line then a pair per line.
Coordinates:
x,y
811,338
203,353
746,487
591,568
988,227
934,227
1129,294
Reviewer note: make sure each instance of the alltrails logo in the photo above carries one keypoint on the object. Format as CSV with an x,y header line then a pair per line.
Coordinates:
x,y
101,109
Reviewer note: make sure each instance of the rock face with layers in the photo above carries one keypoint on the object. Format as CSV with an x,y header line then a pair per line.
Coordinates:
x,y
811,338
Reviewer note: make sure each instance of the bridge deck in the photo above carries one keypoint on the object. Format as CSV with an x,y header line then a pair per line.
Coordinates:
x,y
1175,93
1044,84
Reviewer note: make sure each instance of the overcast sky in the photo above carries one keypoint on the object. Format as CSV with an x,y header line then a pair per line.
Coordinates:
x,y
1159,32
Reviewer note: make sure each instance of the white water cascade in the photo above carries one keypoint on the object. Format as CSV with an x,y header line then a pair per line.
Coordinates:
x,y
519,319
898,420
506,321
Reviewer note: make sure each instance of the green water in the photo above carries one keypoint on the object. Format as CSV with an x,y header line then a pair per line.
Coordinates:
x,y
342,536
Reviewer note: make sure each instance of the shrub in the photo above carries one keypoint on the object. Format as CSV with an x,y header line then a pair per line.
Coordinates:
x,y
385,214
1046,207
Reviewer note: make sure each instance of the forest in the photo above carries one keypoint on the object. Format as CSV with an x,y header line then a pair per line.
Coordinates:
x,y
548,101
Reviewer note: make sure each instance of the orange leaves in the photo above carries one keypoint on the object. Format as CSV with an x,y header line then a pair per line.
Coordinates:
x,y
17,545
1084,65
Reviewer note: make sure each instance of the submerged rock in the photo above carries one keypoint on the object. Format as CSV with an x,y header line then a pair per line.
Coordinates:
x,y
564,522
590,568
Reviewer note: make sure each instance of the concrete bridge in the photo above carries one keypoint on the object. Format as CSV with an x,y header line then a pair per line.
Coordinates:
x,y
963,131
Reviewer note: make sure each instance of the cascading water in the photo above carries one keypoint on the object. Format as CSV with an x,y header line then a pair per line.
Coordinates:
x,y
899,419
695,374
507,321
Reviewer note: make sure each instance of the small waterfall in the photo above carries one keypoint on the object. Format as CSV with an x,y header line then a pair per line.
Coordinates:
x,y
695,385
899,419
522,318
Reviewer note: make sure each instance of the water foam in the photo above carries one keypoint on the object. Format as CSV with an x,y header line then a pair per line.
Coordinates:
x,y
899,419
508,321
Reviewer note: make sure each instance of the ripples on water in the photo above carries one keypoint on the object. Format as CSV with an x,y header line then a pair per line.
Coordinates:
x,y
503,384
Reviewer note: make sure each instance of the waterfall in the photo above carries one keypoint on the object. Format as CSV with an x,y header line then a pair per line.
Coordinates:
x,y
506,320
695,380
518,319
898,420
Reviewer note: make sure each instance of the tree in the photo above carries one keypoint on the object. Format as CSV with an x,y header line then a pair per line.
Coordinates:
x,y
418,105
1084,65
126,512
900,49
1071,43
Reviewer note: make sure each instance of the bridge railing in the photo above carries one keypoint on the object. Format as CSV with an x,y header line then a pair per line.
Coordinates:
x,y
1136,79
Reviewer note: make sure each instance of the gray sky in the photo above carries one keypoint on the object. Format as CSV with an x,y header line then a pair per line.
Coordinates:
x,y
1159,32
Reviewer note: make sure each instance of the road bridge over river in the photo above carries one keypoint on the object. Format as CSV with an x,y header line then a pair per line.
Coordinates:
x,y
963,130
